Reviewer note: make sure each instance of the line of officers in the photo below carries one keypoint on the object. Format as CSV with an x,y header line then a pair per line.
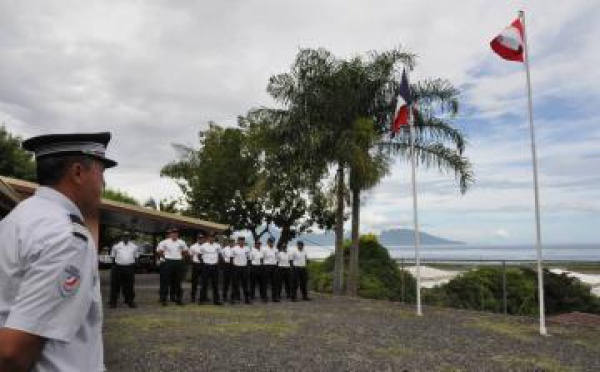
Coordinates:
x,y
233,272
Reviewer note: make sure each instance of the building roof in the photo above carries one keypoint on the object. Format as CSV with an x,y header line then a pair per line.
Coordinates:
x,y
117,214
8,198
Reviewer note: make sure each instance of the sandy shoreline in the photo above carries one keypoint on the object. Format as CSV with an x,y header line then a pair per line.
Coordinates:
x,y
431,277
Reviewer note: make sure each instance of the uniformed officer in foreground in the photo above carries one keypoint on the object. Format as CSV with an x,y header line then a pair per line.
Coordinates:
x,y
50,303
173,250
122,276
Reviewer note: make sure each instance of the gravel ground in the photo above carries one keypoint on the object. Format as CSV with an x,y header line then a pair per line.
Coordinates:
x,y
333,334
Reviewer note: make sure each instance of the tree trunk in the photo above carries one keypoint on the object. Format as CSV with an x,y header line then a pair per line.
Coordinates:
x,y
353,280
284,237
338,269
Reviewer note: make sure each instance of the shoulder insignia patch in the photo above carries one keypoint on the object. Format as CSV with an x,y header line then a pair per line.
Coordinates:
x,y
79,228
69,281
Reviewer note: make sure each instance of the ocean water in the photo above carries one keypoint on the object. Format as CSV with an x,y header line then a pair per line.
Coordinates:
x,y
563,252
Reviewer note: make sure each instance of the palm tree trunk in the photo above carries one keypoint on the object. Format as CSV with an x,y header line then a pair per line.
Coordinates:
x,y
352,284
338,269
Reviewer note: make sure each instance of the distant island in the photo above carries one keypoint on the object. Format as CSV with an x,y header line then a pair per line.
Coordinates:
x,y
391,237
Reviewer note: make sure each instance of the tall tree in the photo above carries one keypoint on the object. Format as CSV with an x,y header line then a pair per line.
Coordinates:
x,y
14,161
292,200
325,96
340,112
239,176
217,179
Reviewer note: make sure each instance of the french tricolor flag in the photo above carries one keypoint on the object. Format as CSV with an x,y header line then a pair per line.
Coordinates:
x,y
402,106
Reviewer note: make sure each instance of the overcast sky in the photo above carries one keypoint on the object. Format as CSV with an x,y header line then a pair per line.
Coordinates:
x,y
155,72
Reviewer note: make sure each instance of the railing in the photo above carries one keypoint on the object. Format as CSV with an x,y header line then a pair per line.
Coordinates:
x,y
440,271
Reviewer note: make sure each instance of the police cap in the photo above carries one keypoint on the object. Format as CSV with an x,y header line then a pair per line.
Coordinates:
x,y
88,144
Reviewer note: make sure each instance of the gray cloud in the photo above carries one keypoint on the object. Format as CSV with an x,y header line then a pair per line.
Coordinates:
x,y
155,72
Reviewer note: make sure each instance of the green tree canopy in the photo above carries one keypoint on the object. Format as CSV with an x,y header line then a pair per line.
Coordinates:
x,y
218,178
14,161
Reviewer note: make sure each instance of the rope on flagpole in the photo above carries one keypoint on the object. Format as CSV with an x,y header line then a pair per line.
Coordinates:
x,y
538,244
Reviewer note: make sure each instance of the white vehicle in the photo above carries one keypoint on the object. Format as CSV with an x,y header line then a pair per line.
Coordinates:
x,y
104,259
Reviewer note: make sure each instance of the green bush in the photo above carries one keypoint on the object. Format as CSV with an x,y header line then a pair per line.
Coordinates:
x,y
380,277
481,289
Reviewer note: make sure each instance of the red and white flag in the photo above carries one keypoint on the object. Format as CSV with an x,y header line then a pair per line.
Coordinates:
x,y
402,105
509,44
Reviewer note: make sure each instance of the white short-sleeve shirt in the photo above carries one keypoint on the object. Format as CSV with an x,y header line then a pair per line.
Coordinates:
x,y
269,256
173,248
210,253
195,252
49,284
125,253
283,259
240,255
226,253
299,258
256,256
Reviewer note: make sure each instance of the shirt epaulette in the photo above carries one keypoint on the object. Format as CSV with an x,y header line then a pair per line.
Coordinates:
x,y
79,228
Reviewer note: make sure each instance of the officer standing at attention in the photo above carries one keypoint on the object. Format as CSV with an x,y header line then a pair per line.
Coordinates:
x,y
300,275
210,272
50,302
122,276
255,273
197,265
172,250
269,254
226,267
285,273
239,260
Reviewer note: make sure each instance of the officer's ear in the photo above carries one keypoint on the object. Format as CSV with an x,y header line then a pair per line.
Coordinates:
x,y
75,172
76,169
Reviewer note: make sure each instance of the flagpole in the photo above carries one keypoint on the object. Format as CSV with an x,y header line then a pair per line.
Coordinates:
x,y
417,236
538,244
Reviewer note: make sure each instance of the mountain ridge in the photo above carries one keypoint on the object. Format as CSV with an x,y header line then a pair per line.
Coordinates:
x,y
390,237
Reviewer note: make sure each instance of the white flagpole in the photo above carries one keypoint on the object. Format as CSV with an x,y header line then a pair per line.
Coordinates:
x,y
535,184
417,236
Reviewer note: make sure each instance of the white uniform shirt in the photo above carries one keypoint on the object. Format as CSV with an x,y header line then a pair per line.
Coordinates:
x,y
227,253
240,255
269,256
49,284
255,256
210,253
195,252
299,258
173,248
125,253
283,259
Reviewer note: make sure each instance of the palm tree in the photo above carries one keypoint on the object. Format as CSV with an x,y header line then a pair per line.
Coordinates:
x,y
437,144
337,113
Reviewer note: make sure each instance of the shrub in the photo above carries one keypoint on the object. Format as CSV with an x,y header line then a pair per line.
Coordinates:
x,y
380,277
481,289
